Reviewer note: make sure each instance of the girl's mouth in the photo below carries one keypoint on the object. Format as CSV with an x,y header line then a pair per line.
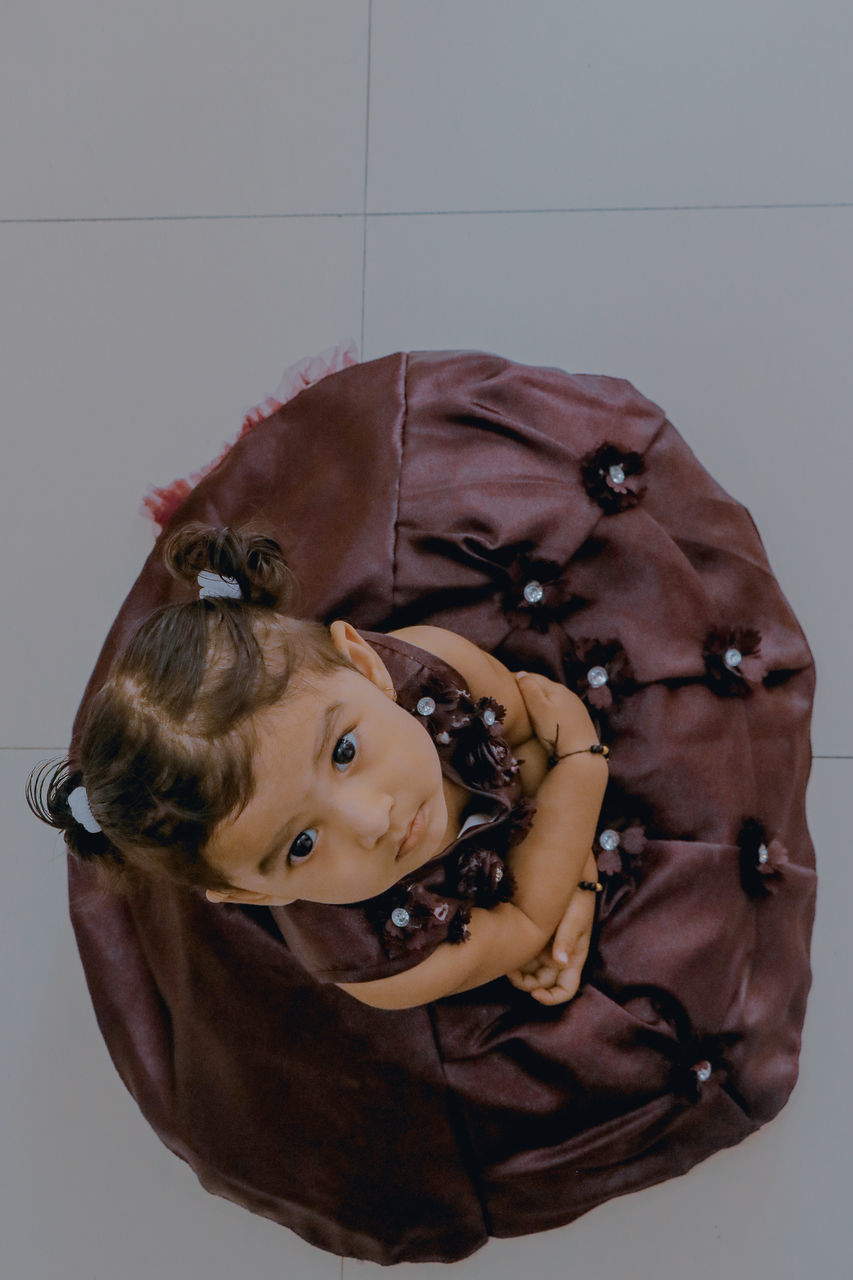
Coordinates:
x,y
416,827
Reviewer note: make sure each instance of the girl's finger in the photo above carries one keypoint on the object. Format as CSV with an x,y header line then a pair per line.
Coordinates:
x,y
541,995
559,996
569,980
564,990
530,681
525,981
565,939
574,926
544,977
551,995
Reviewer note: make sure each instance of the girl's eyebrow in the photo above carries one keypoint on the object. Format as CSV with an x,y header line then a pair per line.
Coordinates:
x,y
265,865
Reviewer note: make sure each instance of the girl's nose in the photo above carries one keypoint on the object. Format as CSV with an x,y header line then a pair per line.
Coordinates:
x,y
368,818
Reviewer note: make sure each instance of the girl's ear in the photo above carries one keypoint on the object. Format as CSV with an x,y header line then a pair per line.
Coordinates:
x,y
362,655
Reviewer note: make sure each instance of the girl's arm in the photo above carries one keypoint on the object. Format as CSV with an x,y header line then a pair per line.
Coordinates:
x,y
546,864
501,939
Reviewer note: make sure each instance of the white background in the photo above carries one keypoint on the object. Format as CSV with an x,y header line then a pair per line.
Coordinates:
x,y
194,195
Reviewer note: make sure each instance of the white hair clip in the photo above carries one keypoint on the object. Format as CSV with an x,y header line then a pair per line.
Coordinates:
x,y
212,584
78,803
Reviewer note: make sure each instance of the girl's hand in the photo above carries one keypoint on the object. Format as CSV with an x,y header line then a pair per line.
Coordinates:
x,y
556,714
547,977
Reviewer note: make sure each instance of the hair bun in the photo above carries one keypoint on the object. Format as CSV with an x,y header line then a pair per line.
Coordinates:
x,y
254,560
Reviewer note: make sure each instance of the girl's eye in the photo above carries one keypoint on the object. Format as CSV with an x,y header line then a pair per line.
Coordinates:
x,y
348,751
303,845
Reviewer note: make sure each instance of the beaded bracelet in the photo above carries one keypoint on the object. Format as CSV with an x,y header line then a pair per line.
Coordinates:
x,y
594,886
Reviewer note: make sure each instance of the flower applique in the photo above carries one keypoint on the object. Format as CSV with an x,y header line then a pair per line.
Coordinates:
x,y
479,865
478,751
694,1059
762,860
733,661
609,476
598,670
481,754
698,1060
534,590
481,876
407,910
442,708
618,850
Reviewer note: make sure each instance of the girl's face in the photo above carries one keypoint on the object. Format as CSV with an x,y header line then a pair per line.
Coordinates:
x,y
341,770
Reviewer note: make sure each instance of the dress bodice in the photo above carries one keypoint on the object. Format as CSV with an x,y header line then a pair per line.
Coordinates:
x,y
381,936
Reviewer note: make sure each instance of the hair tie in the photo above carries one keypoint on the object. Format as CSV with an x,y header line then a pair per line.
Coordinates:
x,y
213,584
78,803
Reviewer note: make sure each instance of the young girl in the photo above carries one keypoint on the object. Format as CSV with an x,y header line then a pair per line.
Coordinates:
x,y
265,759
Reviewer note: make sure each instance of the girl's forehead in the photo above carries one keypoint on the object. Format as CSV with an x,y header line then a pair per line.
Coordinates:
x,y
308,698
323,685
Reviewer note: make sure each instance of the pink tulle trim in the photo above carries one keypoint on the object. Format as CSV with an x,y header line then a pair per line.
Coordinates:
x,y
161,503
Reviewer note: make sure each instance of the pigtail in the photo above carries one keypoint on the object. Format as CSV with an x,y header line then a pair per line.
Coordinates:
x,y
49,785
253,560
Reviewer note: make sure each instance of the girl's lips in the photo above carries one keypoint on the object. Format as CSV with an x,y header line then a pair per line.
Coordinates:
x,y
414,832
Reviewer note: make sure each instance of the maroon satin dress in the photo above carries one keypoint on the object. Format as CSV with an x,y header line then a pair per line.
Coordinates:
x,y
560,522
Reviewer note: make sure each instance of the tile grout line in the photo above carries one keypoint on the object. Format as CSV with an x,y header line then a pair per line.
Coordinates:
x,y
436,213
364,202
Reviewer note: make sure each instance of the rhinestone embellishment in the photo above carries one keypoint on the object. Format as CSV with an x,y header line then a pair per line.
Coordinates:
x,y
400,916
597,676
426,706
617,474
733,658
763,855
609,839
442,911
499,874
703,1071
533,592
443,737
489,717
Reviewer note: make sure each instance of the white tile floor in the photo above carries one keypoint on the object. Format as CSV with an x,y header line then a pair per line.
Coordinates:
x,y
196,195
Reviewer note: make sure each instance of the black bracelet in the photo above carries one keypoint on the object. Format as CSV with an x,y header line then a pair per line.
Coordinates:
x,y
554,759
594,886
